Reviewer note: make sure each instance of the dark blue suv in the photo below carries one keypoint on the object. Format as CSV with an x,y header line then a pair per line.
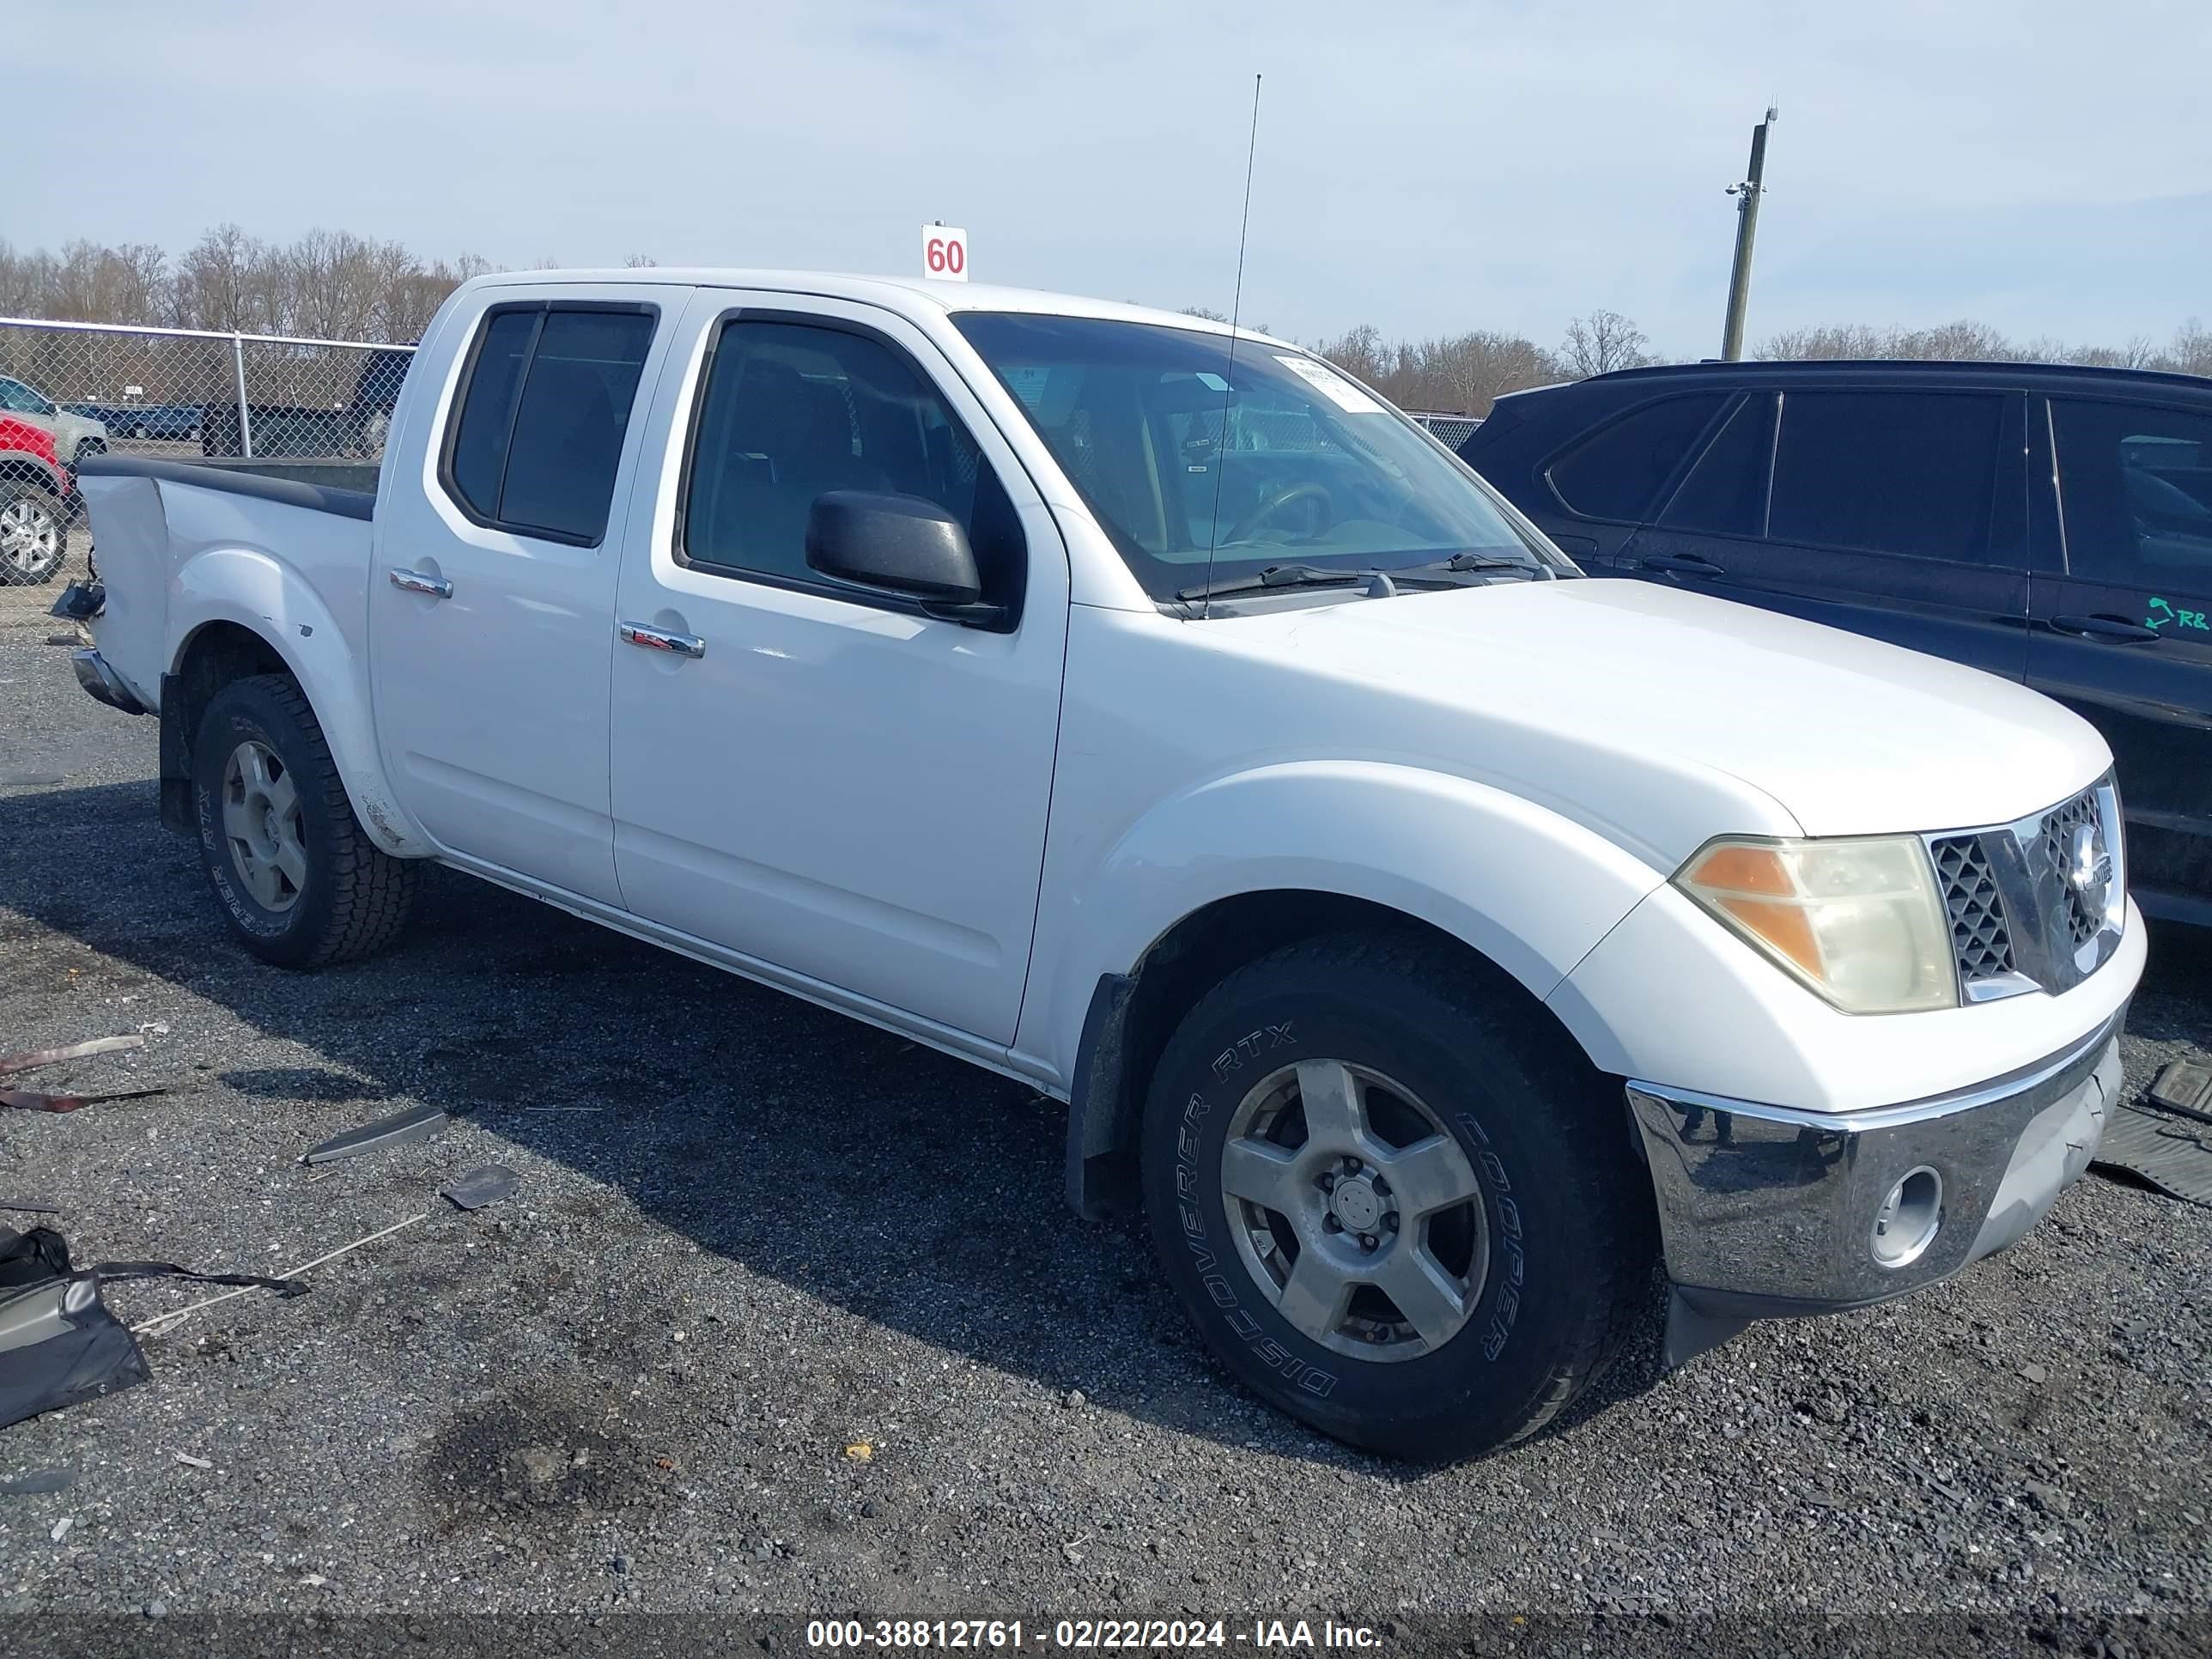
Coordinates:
x,y
2051,525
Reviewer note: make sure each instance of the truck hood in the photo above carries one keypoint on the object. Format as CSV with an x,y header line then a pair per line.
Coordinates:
x,y
1626,685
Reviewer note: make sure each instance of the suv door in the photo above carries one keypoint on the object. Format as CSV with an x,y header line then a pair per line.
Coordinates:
x,y
1609,477
2123,633
809,775
492,599
1894,513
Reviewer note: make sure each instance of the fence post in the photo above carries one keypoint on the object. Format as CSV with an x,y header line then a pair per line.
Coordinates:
x,y
245,418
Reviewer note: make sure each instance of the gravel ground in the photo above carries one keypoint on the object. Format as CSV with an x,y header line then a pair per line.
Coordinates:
x,y
788,1315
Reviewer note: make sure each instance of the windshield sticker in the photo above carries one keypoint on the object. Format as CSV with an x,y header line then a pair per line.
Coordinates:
x,y
1333,387
2162,613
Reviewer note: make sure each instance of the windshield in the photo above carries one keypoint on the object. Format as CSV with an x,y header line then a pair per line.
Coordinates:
x,y
1311,469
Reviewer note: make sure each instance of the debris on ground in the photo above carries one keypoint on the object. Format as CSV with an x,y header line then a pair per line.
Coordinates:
x,y
32,1058
64,1346
2172,1150
29,1207
195,1463
2185,1086
163,1324
400,1129
31,1100
486,1184
38,1483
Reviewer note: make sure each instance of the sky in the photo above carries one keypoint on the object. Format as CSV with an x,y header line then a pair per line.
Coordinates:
x,y
2042,165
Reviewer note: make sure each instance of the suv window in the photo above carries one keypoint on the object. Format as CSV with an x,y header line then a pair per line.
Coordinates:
x,y
1726,490
792,411
1615,471
539,438
15,395
2135,486
1887,471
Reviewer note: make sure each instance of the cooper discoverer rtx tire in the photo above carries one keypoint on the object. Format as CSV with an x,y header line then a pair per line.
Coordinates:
x,y
1394,1201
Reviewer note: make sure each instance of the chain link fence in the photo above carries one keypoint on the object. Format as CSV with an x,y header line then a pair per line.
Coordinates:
x,y
69,391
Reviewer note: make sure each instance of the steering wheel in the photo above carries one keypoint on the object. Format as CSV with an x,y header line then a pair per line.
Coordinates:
x,y
1272,504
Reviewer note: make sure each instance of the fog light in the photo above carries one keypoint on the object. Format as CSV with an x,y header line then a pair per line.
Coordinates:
x,y
1905,1225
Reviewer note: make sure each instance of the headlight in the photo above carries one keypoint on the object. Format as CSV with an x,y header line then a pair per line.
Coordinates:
x,y
1859,921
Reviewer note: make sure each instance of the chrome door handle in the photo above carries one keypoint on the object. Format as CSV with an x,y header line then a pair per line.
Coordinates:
x,y
660,639
414,581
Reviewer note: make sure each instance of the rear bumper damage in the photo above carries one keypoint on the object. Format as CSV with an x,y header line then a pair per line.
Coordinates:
x,y
102,684
1767,1213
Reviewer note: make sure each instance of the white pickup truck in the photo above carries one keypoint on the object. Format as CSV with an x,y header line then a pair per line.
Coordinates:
x,y
1426,936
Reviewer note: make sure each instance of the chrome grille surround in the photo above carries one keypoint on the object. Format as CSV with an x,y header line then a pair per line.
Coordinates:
x,y
2020,919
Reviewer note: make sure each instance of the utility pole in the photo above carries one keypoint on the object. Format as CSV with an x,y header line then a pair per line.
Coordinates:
x,y
1747,196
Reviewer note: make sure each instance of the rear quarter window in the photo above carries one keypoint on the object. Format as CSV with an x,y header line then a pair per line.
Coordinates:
x,y
1617,470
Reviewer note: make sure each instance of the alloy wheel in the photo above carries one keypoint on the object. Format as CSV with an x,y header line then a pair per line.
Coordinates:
x,y
30,541
1356,1210
261,825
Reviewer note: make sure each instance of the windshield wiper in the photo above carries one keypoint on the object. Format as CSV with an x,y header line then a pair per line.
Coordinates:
x,y
1277,575
1480,561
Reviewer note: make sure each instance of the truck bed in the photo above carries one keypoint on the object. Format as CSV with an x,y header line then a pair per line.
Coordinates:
x,y
164,529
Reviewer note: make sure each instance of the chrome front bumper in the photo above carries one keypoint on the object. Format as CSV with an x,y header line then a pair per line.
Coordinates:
x,y
1767,1212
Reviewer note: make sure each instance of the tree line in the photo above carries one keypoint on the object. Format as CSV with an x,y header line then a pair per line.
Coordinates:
x,y
1464,374
335,285
327,285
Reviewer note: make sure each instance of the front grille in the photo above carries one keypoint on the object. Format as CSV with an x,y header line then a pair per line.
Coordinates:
x,y
1979,936
2017,919
2055,847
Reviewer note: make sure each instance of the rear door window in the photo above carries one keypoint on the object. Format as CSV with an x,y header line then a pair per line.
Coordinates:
x,y
2135,487
1906,472
1726,491
1617,470
539,436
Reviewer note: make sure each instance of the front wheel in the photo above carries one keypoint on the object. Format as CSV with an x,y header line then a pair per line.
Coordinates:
x,y
299,878
33,534
1394,1203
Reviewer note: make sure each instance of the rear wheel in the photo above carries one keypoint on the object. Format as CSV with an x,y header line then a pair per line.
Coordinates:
x,y
299,878
1392,1203
33,534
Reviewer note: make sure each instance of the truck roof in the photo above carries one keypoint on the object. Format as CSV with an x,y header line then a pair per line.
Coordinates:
x,y
903,293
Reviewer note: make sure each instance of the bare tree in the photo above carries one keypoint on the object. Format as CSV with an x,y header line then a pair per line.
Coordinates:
x,y
2191,350
216,285
639,262
1602,342
1363,353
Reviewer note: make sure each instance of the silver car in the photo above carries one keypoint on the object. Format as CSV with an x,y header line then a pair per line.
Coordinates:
x,y
75,435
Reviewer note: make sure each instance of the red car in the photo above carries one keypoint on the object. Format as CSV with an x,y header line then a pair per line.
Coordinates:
x,y
38,502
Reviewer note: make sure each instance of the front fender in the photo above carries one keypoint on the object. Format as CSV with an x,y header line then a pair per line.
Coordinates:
x,y
261,593
1529,889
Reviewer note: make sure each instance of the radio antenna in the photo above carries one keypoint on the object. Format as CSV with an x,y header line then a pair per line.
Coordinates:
x,y
1236,311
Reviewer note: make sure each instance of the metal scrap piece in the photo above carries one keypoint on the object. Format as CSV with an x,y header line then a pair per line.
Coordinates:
x,y
400,1129
36,1057
29,1100
486,1184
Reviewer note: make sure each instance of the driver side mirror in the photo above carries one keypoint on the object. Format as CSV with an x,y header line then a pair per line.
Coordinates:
x,y
902,545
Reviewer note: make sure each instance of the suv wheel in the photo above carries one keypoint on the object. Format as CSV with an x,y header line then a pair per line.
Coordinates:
x,y
1394,1205
33,534
297,877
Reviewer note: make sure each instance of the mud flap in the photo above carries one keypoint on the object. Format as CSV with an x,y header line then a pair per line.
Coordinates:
x,y
176,808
